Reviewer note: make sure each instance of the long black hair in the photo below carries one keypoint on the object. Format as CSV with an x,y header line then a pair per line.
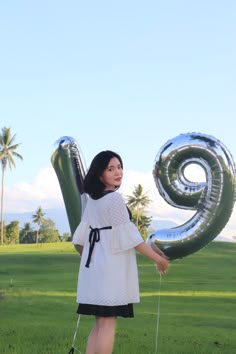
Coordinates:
x,y
92,184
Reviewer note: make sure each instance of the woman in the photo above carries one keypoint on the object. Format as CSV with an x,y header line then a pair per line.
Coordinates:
x,y
107,240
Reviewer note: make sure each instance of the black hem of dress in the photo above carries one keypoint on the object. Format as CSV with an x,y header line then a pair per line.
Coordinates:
x,y
106,311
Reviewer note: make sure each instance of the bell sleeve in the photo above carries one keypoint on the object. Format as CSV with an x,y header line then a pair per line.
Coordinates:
x,y
81,233
125,234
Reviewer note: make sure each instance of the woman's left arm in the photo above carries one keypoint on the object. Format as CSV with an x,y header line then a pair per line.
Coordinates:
x,y
158,251
79,249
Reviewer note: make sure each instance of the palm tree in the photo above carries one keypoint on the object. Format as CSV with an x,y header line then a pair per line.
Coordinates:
x,y
138,201
38,218
25,232
7,154
144,223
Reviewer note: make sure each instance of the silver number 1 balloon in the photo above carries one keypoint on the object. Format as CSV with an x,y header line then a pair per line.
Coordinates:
x,y
212,199
70,169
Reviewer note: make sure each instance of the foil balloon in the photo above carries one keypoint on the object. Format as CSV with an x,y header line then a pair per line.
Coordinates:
x,y
69,166
213,199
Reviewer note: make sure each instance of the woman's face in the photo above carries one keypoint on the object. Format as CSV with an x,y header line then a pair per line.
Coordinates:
x,y
112,176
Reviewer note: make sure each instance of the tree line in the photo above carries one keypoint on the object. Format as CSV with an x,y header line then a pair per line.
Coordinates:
x,y
46,229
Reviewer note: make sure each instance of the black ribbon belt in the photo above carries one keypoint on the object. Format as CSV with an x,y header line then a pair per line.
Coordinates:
x,y
94,236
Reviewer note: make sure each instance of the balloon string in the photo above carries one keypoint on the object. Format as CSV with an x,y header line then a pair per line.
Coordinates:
x,y
77,327
158,315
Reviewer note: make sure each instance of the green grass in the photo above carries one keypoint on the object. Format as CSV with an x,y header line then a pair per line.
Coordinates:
x,y
197,303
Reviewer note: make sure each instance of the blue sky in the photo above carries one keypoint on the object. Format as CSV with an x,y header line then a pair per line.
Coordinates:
x,y
120,75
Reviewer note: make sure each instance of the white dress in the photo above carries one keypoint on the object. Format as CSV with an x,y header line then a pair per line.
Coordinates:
x,y
111,277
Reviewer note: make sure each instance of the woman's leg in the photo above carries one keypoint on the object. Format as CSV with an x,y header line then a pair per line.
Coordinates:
x,y
92,339
101,338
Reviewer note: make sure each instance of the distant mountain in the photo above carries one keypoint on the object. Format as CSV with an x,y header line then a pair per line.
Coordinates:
x,y
225,238
59,216
166,224
162,224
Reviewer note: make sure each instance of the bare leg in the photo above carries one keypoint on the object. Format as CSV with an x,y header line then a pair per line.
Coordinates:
x,y
92,339
101,338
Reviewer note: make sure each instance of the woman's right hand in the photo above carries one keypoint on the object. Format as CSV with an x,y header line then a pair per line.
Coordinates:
x,y
162,265
160,260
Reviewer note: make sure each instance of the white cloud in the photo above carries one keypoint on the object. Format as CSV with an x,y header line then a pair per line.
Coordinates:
x,y
45,191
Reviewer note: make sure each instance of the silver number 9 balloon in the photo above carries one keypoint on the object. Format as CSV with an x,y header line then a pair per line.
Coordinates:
x,y
212,199
70,169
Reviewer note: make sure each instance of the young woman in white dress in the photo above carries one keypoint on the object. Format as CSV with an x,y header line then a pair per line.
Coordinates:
x,y
107,241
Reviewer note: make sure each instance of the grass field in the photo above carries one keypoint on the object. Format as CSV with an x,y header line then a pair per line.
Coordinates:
x,y
197,303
